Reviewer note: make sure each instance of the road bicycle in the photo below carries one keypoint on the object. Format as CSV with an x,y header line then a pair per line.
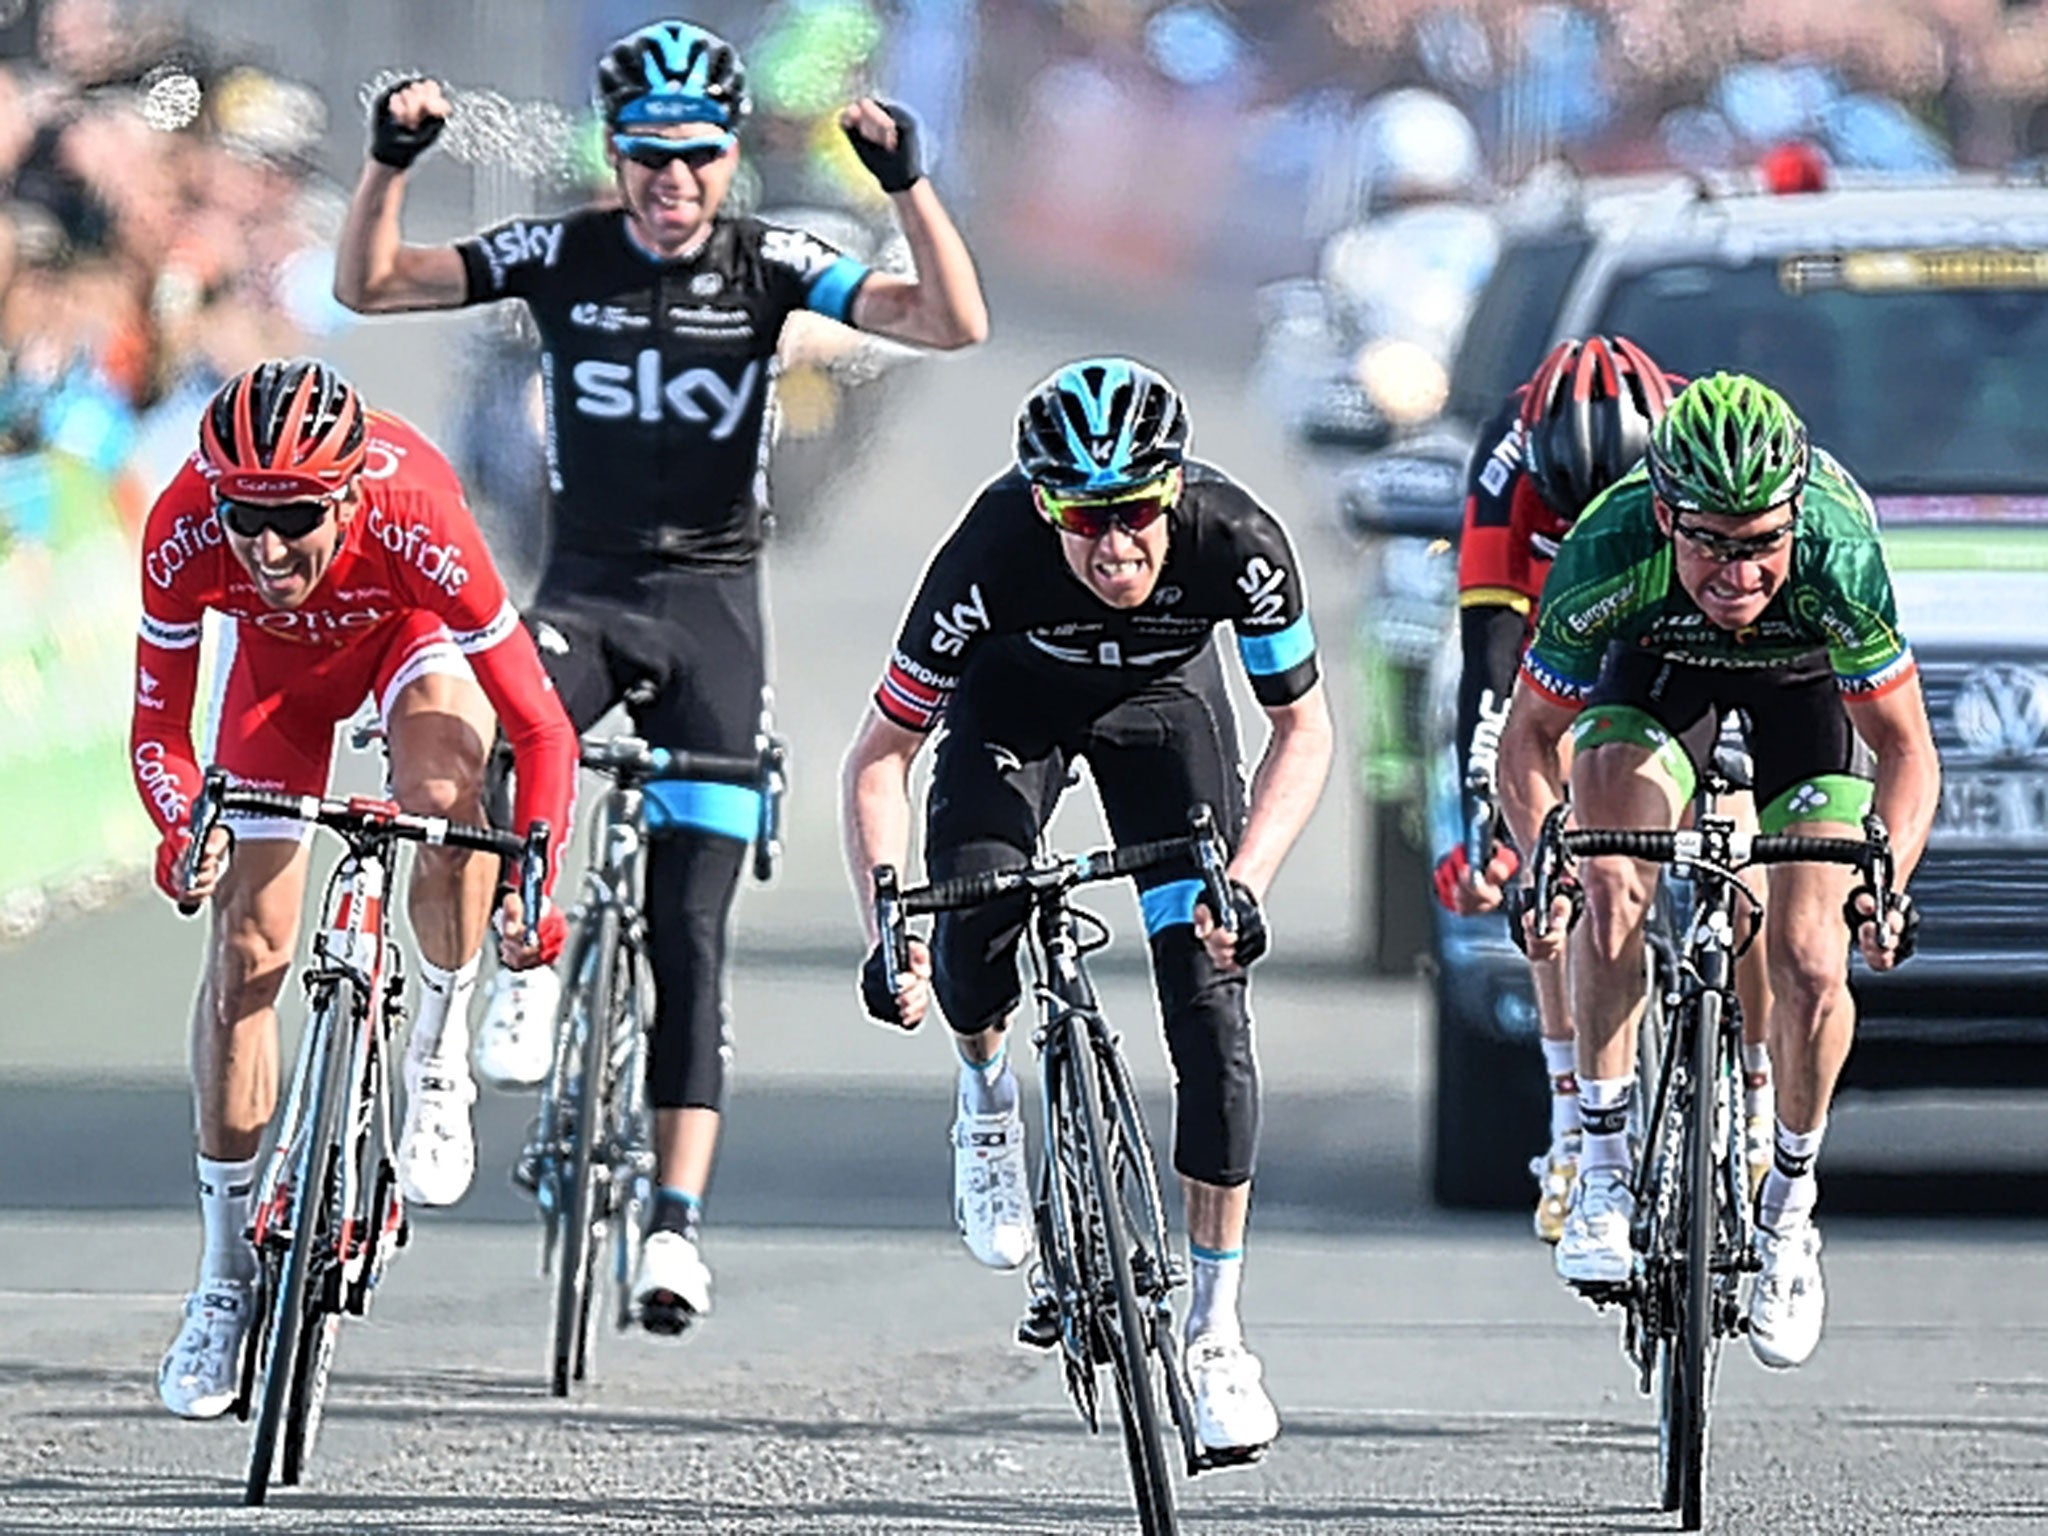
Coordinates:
x,y
1694,1232
327,1213
589,1161
1102,1288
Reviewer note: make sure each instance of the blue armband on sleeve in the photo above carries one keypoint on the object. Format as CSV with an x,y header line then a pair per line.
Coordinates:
x,y
832,290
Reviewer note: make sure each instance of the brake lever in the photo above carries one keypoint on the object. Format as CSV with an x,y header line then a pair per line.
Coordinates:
x,y
205,814
1209,860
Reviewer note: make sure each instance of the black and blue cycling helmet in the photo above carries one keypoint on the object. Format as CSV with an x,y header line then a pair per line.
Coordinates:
x,y
671,72
1100,426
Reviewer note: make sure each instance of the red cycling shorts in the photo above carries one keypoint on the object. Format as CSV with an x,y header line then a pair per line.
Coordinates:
x,y
277,703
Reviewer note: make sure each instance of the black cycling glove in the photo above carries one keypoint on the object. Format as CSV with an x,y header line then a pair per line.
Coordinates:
x,y
391,142
898,169
1250,919
1856,915
1518,899
875,995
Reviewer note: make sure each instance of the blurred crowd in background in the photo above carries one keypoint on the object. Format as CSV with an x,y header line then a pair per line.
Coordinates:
x,y
172,174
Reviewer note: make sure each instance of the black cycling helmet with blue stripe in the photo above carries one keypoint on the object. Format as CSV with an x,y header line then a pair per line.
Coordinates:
x,y
671,72
1099,426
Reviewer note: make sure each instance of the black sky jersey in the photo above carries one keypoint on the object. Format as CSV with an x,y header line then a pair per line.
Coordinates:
x,y
999,588
658,374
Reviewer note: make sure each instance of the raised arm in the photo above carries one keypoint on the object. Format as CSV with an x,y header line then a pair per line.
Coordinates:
x,y
941,304
375,272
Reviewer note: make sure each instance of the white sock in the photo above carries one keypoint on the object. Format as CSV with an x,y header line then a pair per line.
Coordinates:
x,y
1790,1188
226,1192
988,1087
440,1026
1212,1312
1560,1060
1758,1097
1604,1107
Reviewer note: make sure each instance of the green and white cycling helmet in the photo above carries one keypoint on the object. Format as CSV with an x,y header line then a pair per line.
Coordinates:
x,y
1728,445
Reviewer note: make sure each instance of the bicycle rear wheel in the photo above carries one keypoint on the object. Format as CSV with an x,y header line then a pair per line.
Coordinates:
x,y
1129,1341
288,1280
576,1257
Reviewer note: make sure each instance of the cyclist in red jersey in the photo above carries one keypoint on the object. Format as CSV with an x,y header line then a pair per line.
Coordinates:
x,y
335,545
1581,421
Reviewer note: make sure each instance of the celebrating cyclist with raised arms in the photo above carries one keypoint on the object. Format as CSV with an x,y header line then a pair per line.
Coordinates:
x,y
1740,568
1580,422
1068,615
335,543
658,323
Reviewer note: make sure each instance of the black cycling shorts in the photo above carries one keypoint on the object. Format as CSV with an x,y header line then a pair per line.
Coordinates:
x,y
1002,766
1806,760
685,650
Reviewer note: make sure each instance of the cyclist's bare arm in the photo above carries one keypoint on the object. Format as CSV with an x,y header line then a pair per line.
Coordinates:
x,y
874,810
1532,761
941,305
1908,769
874,820
1288,783
375,272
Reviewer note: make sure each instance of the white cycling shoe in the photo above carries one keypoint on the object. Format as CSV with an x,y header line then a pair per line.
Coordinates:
x,y
1556,1171
201,1371
1789,1301
1233,1415
1593,1248
988,1188
673,1287
437,1149
515,1044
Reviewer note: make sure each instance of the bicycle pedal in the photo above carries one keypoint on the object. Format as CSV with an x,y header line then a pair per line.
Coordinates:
x,y
1039,1327
1211,1460
1602,1293
669,1319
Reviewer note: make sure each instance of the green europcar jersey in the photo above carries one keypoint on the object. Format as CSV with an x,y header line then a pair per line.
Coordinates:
x,y
1613,583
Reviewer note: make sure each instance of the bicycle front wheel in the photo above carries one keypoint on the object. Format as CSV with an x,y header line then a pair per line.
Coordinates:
x,y
289,1277
1696,1338
576,1258
1129,1341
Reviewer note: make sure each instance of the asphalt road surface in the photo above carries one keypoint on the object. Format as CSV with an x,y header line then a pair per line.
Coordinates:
x,y
856,1375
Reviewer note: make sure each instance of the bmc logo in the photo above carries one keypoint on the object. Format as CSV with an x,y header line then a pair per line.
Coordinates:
x,y
952,631
614,391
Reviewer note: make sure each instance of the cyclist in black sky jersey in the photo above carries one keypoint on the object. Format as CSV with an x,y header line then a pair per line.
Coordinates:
x,y
658,322
1068,615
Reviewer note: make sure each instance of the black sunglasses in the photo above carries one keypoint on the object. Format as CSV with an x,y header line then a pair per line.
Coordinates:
x,y
287,519
1724,550
656,154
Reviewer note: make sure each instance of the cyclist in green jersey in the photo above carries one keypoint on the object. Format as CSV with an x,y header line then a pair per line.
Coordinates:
x,y
1738,568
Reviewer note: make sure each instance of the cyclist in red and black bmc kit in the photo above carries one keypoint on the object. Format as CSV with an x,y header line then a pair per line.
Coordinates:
x,y
658,321
336,546
1580,422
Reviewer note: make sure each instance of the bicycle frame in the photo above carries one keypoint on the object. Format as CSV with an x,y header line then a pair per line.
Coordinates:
x,y
591,1162
1102,1289
1694,1235
323,1211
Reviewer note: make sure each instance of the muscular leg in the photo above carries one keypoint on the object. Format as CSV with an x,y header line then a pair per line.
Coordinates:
x,y
1616,785
1813,1017
439,729
234,1025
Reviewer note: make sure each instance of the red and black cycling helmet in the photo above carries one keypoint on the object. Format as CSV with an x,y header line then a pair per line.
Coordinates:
x,y
1586,418
291,429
